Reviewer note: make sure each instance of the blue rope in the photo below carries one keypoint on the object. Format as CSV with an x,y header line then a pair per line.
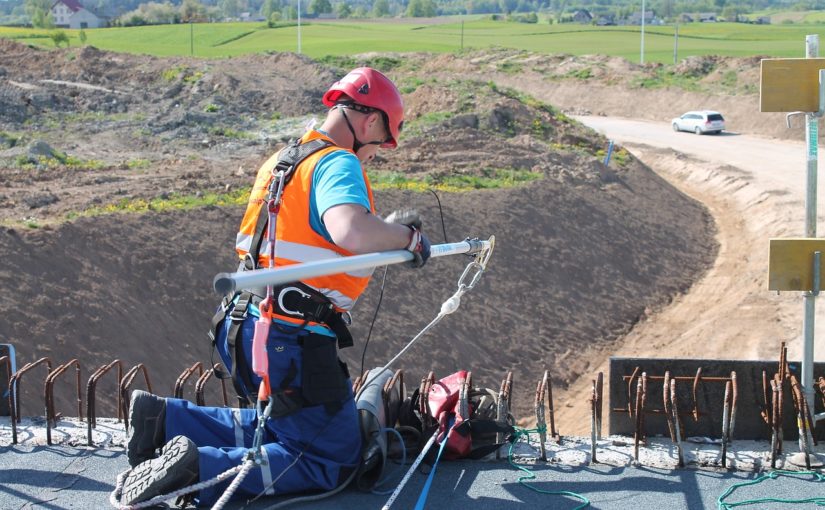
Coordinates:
x,y
773,475
422,499
525,433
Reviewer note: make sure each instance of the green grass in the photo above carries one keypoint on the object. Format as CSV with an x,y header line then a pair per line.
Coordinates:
x,y
490,178
346,38
172,202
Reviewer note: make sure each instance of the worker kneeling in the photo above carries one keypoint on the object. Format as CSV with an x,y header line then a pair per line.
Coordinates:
x,y
321,195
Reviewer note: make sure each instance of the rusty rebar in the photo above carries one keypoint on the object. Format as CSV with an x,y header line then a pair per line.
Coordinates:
x,y
734,397
767,401
551,412
802,419
677,422
463,396
593,404
184,376
776,438
427,420
637,436
630,398
541,425
51,416
726,423
666,405
14,393
784,370
201,383
780,411
696,381
126,383
503,406
91,389
599,403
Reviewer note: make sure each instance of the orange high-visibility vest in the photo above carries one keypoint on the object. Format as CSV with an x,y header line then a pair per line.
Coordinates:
x,y
296,241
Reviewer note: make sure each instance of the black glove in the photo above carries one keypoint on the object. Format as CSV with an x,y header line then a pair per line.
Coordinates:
x,y
419,245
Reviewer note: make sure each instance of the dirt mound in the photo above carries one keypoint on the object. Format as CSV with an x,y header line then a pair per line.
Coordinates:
x,y
583,252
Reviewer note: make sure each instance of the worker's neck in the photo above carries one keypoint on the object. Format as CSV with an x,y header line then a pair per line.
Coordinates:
x,y
339,134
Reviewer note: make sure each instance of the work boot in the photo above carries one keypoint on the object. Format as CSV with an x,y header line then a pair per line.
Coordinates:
x,y
147,416
177,467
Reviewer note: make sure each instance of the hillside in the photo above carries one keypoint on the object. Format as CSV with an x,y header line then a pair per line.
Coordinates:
x,y
107,260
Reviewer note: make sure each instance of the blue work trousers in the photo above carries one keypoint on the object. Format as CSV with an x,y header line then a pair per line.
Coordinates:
x,y
328,439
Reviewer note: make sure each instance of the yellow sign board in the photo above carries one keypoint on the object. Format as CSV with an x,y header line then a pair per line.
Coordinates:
x,y
790,84
791,264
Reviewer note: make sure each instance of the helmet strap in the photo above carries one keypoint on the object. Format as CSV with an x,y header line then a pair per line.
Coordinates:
x,y
356,143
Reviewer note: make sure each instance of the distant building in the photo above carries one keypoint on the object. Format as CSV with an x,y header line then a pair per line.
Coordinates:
x,y
706,17
71,14
763,20
582,16
636,18
607,20
248,16
685,18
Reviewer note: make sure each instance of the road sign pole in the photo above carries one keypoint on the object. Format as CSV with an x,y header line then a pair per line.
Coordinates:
x,y
812,140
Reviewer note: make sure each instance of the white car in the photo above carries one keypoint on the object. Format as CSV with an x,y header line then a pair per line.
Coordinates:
x,y
700,122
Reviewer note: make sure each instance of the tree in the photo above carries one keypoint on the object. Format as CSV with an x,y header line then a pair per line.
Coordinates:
x,y
230,8
192,10
508,6
270,6
380,8
421,9
59,37
40,13
343,10
317,7
82,36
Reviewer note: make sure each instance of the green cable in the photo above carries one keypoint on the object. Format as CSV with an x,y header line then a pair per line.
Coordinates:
x,y
531,476
773,475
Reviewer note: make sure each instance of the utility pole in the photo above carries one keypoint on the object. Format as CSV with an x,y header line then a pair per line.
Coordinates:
x,y
191,38
299,27
676,44
642,54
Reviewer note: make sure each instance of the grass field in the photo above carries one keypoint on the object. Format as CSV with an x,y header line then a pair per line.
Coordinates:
x,y
352,37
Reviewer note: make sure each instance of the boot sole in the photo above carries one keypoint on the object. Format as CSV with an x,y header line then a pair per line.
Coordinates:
x,y
153,478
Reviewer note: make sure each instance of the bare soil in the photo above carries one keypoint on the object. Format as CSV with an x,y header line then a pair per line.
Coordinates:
x,y
583,255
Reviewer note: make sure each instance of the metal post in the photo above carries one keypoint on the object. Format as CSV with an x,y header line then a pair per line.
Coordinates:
x,y
191,39
462,35
812,140
299,27
676,44
642,54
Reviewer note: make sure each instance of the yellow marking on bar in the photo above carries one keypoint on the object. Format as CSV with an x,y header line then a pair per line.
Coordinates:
x,y
790,84
791,264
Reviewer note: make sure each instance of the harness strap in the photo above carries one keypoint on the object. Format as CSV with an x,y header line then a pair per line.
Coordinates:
x,y
290,157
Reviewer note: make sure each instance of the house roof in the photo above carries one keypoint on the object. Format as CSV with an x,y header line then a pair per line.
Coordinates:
x,y
73,5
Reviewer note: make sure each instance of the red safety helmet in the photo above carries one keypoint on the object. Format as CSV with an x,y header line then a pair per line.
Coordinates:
x,y
368,87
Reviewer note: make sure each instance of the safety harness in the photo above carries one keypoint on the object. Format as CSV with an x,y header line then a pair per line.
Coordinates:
x,y
295,300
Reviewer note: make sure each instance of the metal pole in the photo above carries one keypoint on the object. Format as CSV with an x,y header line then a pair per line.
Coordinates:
x,y
676,44
225,283
191,39
642,55
299,27
462,35
812,140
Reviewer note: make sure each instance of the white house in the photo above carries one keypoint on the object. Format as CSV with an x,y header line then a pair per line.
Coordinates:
x,y
71,14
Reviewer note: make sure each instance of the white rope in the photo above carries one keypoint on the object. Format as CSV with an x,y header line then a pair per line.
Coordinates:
x,y
114,496
247,466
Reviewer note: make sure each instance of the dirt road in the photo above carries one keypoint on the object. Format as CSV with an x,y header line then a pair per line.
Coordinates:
x,y
754,187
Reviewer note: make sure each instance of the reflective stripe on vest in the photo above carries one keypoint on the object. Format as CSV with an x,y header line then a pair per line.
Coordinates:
x,y
296,240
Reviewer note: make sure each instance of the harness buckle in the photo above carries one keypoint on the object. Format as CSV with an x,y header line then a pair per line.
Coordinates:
x,y
347,318
281,300
241,309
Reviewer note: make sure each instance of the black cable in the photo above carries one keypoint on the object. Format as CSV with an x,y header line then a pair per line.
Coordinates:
x,y
374,316
441,212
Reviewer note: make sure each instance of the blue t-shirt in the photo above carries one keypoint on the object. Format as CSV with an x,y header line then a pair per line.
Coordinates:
x,y
338,179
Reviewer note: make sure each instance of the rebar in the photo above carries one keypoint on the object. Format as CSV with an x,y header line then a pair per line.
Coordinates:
x,y
51,416
776,439
593,401
184,376
503,406
677,422
91,388
639,410
126,383
599,403
201,382
14,393
734,397
538,404
726,423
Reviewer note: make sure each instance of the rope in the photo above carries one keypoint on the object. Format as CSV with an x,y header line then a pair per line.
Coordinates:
x,y
773,475
525,433
114,496
245,469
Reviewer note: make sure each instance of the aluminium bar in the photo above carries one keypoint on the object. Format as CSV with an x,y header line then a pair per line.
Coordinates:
x,y
226,283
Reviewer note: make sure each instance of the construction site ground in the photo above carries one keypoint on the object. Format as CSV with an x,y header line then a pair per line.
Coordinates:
x,y
661,254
